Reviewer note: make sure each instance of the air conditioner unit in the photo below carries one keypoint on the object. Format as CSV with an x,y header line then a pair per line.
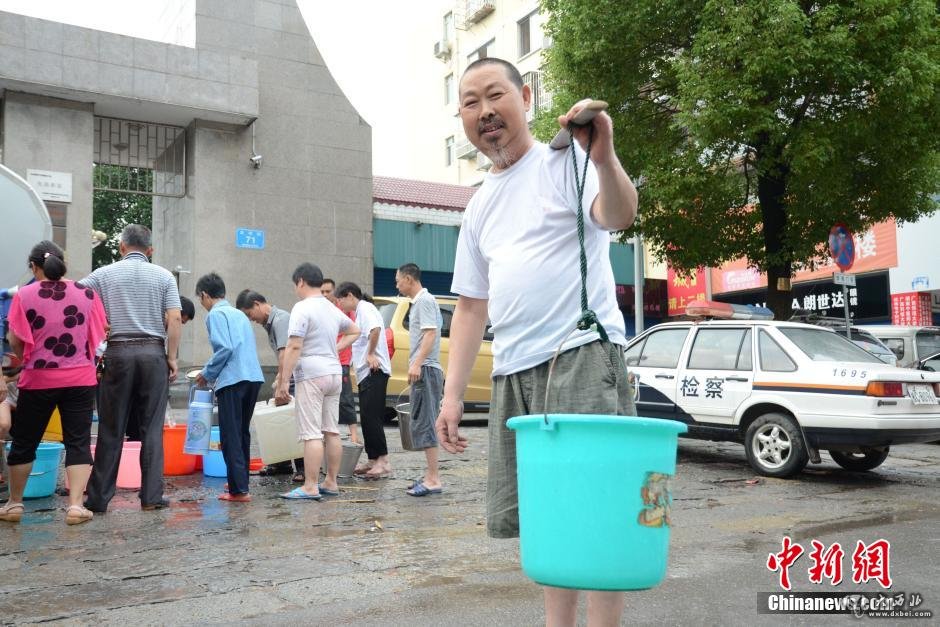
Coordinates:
x,y
442,49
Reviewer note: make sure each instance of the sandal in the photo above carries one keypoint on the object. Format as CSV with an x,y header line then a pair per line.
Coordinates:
x,y
76,515
298,477
375,476
235,498
362,469
12,512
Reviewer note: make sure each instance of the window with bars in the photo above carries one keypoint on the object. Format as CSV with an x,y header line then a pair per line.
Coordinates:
x,y
144,158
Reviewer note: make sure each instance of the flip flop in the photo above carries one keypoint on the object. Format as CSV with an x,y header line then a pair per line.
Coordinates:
x,y
12,512
298,477
327,491
419,489
370,476
235,498
298,494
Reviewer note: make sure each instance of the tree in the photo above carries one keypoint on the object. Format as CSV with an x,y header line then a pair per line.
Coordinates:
x,y
758,124
112,211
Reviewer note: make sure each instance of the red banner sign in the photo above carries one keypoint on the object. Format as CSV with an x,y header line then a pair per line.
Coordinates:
x,y
682,289
911,309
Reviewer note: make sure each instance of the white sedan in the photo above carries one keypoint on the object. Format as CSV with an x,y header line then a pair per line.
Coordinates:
x,y
786,389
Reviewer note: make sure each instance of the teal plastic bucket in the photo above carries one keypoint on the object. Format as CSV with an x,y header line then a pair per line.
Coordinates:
x,y
594,497
42,478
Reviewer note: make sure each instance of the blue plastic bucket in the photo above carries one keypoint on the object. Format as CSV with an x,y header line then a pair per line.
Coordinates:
x,y
42,478
213,464
594,499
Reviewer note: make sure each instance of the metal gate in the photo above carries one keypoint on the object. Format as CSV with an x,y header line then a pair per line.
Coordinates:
x,y
146,158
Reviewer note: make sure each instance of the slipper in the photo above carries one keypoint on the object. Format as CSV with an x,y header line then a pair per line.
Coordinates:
x,y
327,491
419,489
370,476
235,498
76,515
12,512
298,477
298,494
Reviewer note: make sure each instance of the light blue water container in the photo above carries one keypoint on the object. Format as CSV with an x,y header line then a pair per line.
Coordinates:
x,y
213,463
42,478
199,422
594,499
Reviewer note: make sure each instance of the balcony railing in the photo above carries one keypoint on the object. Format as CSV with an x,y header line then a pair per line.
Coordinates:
x,y
476,10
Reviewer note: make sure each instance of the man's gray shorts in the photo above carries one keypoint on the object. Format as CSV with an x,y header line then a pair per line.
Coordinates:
x,y
590,379
425,404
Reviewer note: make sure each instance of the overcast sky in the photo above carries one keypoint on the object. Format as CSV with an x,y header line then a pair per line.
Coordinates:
x,y
353,36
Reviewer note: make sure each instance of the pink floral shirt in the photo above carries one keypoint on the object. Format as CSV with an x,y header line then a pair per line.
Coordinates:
x,y
60,323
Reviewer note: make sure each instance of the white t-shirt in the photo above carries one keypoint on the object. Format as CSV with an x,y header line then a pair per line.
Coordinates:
x,y
368,318
318,322
518,247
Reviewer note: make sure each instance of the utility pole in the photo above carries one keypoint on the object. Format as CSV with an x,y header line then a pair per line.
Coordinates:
x,y
638,283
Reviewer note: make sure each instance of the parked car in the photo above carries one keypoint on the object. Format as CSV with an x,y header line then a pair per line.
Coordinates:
x,y
861,337
911,344
784,389
395,310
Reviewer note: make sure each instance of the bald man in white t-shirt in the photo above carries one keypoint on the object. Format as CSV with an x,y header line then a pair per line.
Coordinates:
x,y
518,264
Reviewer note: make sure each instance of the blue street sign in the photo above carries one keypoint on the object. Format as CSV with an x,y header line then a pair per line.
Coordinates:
x,y
249,238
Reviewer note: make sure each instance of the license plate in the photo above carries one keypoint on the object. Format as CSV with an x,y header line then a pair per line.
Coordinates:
x,y
921,394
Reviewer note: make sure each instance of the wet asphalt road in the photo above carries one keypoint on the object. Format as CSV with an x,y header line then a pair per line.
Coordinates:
x,y
375,556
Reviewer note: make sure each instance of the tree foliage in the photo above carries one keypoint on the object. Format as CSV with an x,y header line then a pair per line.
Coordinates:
x,y
758,124
112,211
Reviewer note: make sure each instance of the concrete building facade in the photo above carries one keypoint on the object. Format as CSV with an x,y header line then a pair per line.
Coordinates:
x,y
250,84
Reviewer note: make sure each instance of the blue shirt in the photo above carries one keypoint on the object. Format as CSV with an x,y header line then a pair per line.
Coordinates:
x,y
234,358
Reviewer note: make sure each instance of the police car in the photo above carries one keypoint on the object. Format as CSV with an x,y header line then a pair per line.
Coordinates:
x,y
785,389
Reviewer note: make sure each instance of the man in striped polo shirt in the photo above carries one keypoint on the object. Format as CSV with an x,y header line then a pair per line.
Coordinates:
x,y
140,362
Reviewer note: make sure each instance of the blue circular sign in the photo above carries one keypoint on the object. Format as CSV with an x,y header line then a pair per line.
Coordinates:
x,y
842,246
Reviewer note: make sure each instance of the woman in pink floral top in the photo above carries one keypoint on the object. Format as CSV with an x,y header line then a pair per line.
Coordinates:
x,y
55,327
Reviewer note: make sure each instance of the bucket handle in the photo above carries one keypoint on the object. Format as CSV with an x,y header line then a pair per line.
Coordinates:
x,y
548,425
400,394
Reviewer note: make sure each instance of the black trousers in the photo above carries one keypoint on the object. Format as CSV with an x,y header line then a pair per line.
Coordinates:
x,y
236,406
372,408
33,411
347,402
135,381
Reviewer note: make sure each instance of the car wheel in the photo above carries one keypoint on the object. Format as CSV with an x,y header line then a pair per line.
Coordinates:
x,y
774,446
860,462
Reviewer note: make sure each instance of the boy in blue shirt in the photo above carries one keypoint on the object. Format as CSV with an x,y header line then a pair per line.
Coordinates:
x,y
236,375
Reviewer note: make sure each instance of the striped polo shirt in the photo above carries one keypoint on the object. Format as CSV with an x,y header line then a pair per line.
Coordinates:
x,y
136,294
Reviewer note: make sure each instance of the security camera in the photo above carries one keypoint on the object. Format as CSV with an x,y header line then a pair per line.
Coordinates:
x,y
255,161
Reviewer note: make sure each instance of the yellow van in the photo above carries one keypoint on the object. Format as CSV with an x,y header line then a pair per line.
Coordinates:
x,y
394,310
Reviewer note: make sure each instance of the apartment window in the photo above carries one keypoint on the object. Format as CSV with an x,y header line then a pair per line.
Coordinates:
x,y
482,52
449,151
530,34
449,27
450,94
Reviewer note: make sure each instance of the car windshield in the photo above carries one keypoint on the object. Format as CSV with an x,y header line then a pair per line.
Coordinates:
x,y
823,345
928,343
